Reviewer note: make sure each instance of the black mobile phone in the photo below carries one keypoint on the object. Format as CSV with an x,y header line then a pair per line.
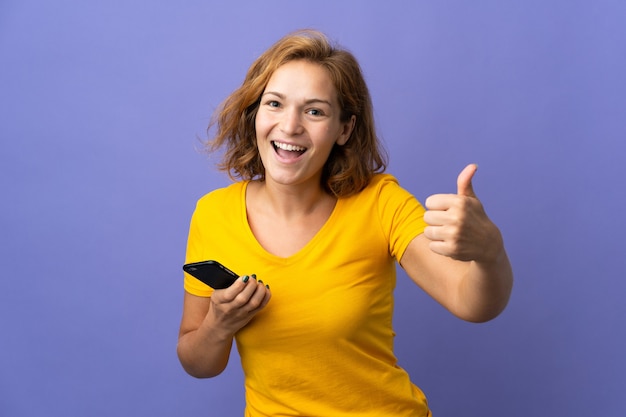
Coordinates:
x,y
212,273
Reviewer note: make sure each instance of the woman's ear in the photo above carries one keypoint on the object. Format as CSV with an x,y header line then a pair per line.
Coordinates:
x,y
348,127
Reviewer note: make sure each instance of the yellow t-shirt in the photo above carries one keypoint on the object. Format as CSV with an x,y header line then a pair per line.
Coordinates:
x,y
323,346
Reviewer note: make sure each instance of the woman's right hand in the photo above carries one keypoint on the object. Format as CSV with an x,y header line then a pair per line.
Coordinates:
x,y
208,325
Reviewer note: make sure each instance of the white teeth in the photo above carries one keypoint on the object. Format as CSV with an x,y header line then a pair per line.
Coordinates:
x,y
288,147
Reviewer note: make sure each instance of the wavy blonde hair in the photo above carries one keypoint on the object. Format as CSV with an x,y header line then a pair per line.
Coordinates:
x,y
350,167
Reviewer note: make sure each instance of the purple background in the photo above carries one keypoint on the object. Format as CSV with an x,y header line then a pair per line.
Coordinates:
x,y
102,105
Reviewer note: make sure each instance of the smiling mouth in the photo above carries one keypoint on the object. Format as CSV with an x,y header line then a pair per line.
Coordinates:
x,y
287,150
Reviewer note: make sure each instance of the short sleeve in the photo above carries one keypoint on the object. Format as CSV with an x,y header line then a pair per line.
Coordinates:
x,y
401,215
195,254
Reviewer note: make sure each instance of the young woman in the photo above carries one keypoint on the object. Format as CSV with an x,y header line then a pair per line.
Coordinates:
x,y
317,226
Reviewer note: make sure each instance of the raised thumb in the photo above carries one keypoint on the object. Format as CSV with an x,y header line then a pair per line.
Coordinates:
x,y
464,181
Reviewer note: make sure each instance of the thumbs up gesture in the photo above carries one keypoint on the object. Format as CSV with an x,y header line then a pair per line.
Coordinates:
x,y
457,225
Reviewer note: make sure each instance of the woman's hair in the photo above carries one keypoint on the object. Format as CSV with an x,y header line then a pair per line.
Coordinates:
x,y
349,167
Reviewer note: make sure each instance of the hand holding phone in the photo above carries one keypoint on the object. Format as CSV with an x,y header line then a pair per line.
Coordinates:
x,y
212,273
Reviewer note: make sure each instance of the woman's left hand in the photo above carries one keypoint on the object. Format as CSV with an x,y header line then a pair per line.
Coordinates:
x,y
458,226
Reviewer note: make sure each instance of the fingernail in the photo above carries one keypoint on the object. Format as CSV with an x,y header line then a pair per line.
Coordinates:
x,y
267,286
253,276
245,278
260,282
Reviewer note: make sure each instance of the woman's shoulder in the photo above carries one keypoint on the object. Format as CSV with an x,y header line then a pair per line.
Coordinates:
x,y
223,196
382,189
379,183
380,180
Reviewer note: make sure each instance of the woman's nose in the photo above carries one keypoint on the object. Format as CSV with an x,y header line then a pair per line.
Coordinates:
x,y
291,122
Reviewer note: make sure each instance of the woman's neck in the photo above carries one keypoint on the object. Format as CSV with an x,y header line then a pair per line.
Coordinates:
x,y
289,201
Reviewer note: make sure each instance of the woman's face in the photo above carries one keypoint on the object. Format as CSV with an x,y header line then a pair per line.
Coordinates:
x,y
298,123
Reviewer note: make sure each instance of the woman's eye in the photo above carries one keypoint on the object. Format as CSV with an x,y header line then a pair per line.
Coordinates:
x,y
273,103
315,112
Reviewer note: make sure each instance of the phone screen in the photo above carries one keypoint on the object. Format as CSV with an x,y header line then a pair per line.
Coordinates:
x,y
212,273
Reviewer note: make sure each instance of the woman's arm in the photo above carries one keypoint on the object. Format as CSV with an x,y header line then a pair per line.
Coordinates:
x,y
460,258
473,291
208,325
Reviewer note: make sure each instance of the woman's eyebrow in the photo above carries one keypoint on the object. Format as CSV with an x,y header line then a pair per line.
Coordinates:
x,y
309,101
279,95
319,100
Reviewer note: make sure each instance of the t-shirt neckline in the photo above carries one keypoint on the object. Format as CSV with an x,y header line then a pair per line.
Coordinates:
x,y
305,249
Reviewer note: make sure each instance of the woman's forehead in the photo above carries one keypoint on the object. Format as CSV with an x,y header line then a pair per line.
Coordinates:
x,y
302,79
